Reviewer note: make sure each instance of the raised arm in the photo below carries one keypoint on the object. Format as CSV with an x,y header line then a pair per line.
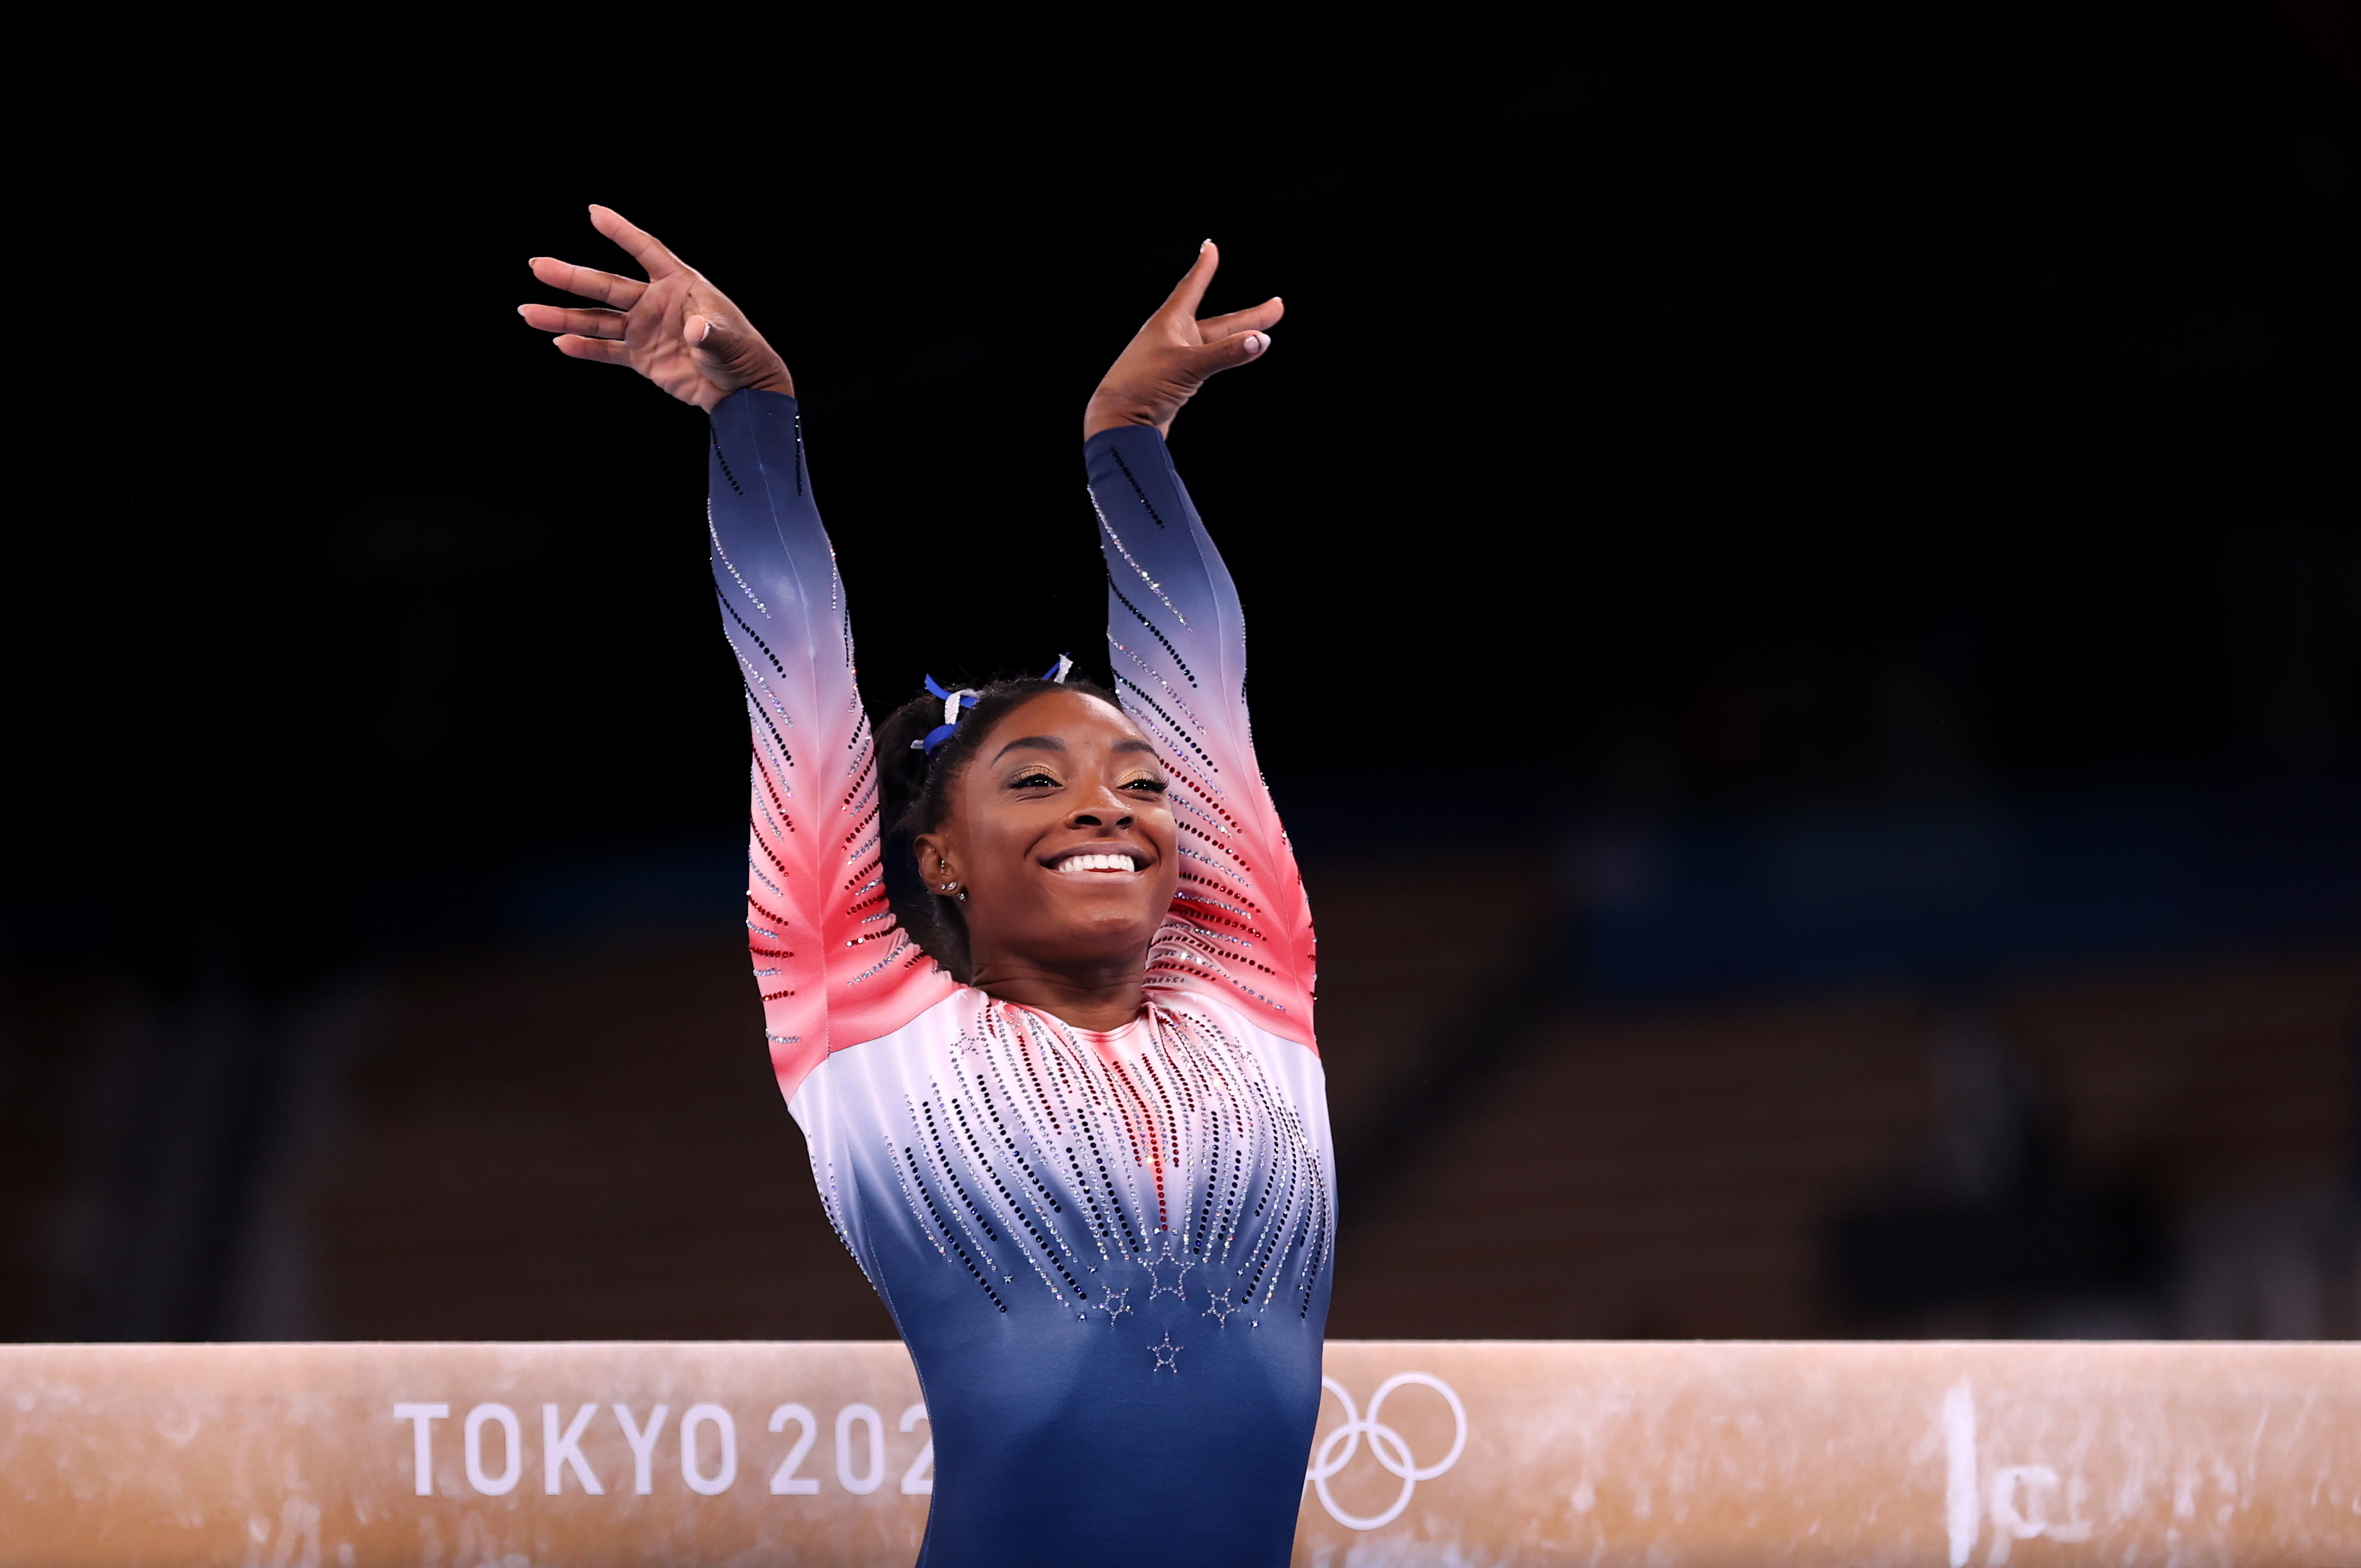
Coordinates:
x,y
674,328
1240,928
832,968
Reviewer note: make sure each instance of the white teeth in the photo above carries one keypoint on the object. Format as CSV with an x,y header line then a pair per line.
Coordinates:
x,y
1097,864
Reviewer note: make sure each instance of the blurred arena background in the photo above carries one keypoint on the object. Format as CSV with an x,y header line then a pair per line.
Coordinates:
x,y
1805,573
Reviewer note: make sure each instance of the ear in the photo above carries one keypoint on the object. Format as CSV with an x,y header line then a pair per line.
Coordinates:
x,y
935,863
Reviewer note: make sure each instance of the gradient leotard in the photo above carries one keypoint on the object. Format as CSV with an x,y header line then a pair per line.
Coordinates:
x,y
1109,1254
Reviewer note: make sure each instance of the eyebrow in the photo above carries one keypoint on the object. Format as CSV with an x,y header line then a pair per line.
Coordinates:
x,y
1051,743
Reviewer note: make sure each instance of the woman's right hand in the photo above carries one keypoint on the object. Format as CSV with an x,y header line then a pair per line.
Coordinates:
x,y
676,329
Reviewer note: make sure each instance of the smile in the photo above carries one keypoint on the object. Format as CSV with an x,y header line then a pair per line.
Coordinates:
x,y
1094,864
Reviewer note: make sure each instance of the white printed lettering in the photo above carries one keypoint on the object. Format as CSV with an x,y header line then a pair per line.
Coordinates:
x,y
785,1482
918,1481
2008,1525
2012,1524
644,1445
706,1486
860,1485
567,1448
505,1482
422,1442
1961,1496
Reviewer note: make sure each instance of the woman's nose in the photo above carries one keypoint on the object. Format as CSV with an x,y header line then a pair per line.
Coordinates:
x,y
1100,816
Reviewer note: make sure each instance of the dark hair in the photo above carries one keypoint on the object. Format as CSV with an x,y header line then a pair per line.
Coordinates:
x,y
915,789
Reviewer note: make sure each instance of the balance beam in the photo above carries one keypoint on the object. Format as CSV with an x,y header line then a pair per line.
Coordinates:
x,y
1462,1452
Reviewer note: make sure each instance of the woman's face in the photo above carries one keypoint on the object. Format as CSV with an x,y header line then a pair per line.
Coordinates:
x,y
1059,833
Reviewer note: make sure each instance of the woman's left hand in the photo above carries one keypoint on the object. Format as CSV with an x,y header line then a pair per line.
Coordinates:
x,y
1174,353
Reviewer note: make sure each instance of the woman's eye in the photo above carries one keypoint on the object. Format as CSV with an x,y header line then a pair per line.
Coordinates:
x,y
1153,786
1034,781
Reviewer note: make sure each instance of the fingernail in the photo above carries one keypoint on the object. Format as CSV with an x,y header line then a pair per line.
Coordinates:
x,y
1203,246
1256,343
704,326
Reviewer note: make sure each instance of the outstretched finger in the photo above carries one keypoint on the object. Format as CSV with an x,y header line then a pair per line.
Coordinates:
x,y
604,350
582,324
1266,314
1192,289
1229,353
588,281
645,248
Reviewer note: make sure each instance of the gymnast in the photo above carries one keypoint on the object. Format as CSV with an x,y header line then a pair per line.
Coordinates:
x,y
1036,972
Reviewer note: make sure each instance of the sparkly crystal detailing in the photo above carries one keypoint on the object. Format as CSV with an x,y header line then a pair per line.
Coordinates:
x,y
1034,1150
723,557
1145,505
1053,1215
1179,663
722,462
1240,924
902,944
1179,1267
1171,694
1141,572
817,913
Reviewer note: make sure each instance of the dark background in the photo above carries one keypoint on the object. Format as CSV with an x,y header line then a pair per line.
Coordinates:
x,y
1695,429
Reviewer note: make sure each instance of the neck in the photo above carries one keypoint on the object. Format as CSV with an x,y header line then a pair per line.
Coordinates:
x,y
1102,1000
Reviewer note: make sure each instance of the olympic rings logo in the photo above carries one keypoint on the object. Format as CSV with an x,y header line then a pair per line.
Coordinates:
x,y
1391,1452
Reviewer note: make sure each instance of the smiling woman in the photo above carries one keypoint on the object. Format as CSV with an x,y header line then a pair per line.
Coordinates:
x,y
1041,828
1060,1089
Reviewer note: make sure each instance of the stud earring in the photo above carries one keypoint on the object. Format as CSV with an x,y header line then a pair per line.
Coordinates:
x,y
949,885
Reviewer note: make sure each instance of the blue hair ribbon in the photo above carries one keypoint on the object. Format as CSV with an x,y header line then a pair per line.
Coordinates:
x,y
955,701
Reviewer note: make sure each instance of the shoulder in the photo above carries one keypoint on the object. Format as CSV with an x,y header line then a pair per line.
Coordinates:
x,y
1191,1005
914,1044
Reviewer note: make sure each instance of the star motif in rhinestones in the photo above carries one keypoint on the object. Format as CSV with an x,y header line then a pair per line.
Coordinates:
x,y
1110,1302
1156,1286
1220,1307
1168,1355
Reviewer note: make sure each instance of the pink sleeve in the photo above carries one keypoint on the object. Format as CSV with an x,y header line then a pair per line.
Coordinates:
x,y
1240,928
833,966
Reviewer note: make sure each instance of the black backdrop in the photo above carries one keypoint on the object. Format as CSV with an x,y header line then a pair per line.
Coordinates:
x,y
1691,405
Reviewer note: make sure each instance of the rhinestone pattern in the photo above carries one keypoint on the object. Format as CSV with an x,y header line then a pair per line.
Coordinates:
x,y
1240,924
832,967
1063,1224
1143,1158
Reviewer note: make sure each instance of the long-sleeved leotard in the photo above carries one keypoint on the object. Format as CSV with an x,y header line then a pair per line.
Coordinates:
x,y
1109,1254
